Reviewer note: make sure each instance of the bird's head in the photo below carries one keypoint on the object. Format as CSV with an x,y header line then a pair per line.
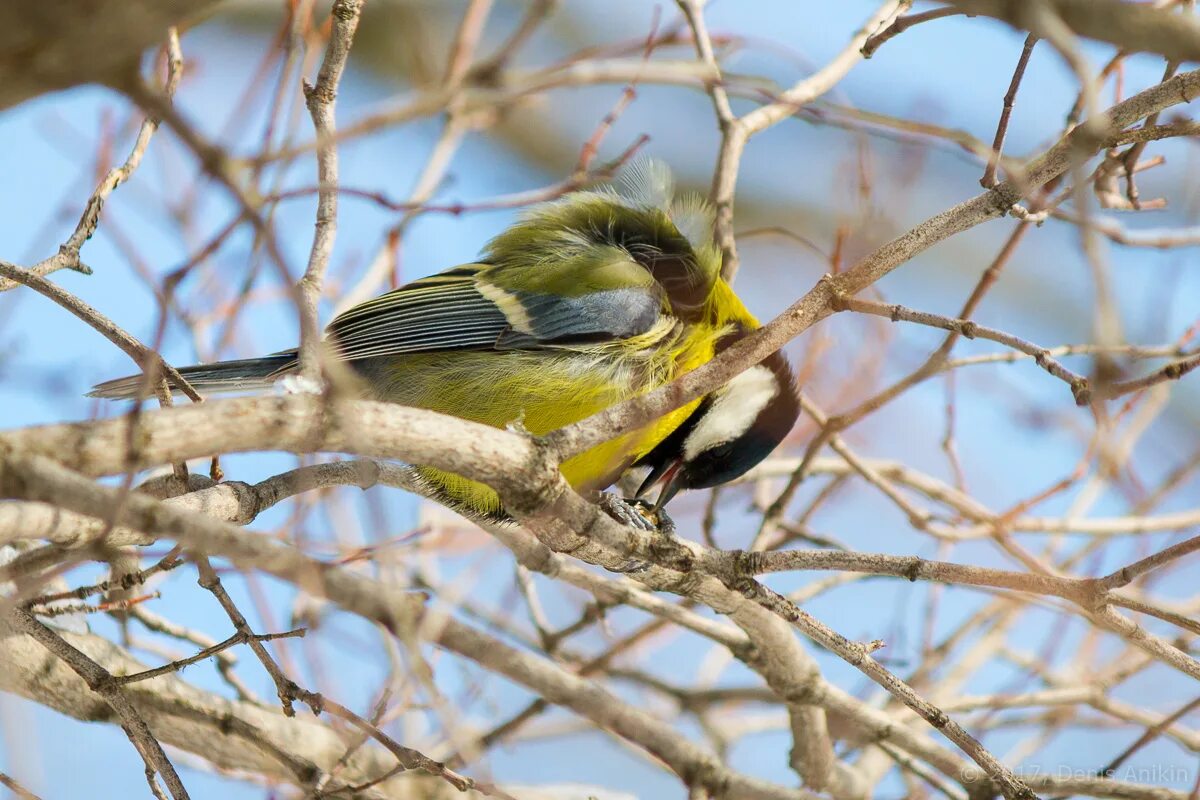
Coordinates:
x,y
730,431
641,219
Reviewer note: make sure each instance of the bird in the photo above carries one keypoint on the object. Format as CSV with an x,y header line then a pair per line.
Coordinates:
x,y
586,301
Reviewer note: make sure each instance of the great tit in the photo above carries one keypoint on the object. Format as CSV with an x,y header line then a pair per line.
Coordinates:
x,y
586,301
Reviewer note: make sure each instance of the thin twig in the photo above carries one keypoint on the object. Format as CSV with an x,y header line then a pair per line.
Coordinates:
x,y
146,358
321,99
901,25
208,652
100,681
989,175
68,256
1080,387
125,582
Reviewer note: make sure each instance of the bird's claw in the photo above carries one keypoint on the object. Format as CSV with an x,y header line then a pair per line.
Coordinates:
x,y
624,512
666,525
637,513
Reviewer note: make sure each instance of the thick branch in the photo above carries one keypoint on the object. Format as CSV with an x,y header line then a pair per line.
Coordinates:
x,y
230,734
1133,27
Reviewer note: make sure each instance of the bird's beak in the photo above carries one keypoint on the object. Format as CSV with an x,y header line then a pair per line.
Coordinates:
x,y
668,474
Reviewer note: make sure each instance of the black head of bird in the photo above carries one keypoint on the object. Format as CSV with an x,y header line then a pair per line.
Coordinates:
x,y
729,432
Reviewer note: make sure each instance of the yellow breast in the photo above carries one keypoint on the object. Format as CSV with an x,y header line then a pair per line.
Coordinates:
x,y
548,390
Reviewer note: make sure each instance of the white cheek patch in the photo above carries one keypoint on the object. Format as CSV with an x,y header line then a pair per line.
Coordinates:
x,y
734,409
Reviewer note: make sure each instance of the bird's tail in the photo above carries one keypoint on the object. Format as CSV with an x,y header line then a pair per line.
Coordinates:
x,y
223,376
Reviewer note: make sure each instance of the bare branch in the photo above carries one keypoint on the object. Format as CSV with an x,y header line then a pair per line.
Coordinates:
x,y
321,99
100,681
1133,27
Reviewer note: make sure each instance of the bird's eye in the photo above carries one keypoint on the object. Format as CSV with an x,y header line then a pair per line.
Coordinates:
x,y
721,452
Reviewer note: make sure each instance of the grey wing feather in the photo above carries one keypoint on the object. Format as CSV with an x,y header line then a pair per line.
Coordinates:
x,y
598,316
442,312
415,318
448,312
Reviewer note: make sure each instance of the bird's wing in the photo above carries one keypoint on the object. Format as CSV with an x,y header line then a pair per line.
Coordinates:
x,y
466,309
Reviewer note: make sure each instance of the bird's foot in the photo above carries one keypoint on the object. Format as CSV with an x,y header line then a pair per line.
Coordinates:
x,y
631,513
637,513
659,520
640,515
